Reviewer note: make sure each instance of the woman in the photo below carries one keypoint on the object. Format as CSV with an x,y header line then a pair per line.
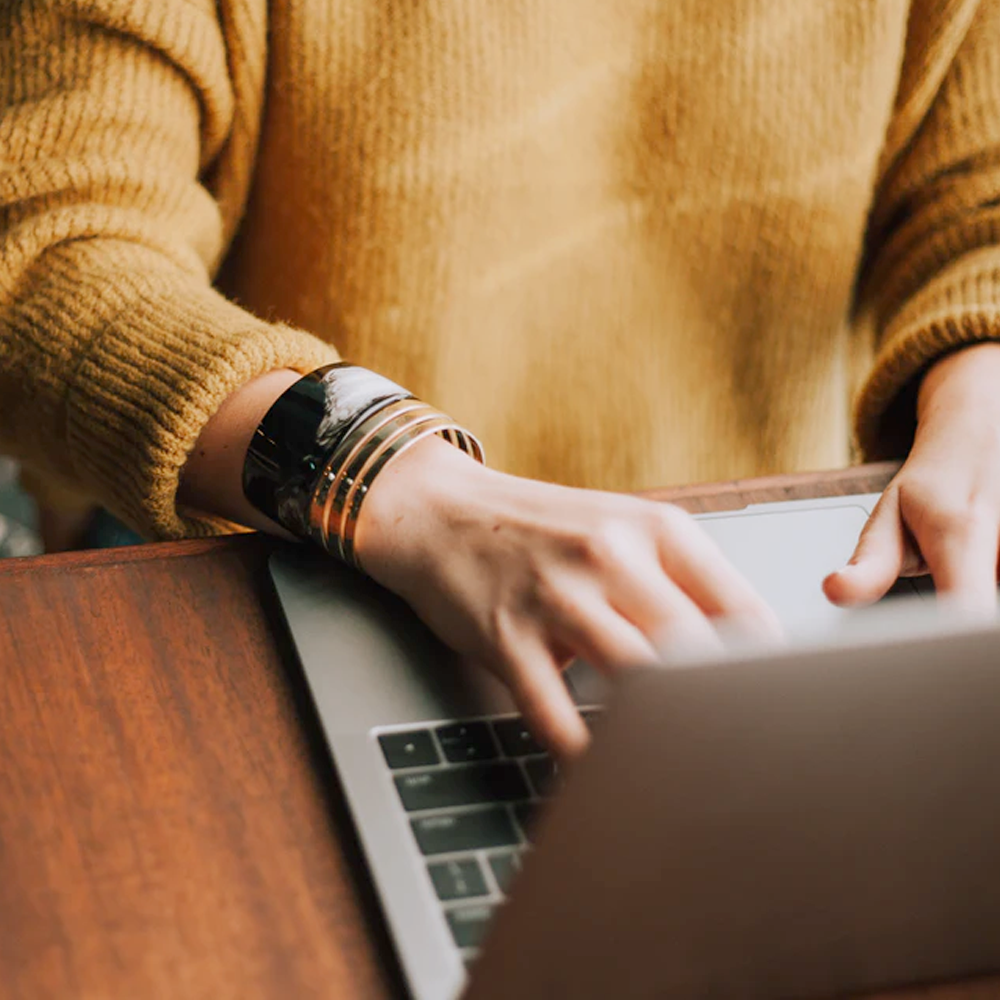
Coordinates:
x,y
624,244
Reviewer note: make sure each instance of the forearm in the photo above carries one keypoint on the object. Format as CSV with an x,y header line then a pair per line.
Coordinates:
x,y
212,478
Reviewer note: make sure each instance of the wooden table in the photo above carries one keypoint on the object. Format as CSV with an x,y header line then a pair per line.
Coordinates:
x,y
169,823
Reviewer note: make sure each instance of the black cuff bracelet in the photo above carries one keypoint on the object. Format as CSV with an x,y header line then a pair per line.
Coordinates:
x,y
300,432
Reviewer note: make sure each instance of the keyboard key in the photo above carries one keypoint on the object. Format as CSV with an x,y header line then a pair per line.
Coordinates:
x,y
591,716
505,867
526,815
458,879
414,748
469,923
515,738
465,742
465,831
461,786
543,774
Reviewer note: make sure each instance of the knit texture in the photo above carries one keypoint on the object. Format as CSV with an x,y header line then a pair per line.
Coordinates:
x,y
628,244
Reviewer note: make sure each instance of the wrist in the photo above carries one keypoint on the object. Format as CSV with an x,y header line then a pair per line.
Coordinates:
x,y
212,478
965,379
319,449
420,490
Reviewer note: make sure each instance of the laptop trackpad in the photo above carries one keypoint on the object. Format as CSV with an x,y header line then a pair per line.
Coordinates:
x,y
785,555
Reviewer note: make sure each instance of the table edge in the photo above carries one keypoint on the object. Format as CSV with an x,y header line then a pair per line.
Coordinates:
x,y
801,485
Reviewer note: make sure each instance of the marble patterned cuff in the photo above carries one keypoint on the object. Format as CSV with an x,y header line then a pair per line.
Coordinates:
x,y
299,433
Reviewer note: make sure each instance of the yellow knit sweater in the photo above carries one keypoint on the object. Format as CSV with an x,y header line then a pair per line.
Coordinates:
x,y
627,242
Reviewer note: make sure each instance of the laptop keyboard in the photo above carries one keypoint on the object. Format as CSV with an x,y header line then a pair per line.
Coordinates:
x,y
470,791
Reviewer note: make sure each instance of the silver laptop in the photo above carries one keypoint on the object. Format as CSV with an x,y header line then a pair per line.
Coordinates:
x,y
446,785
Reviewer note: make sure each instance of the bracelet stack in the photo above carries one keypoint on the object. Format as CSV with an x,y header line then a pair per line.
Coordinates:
x,y
316,453
366,450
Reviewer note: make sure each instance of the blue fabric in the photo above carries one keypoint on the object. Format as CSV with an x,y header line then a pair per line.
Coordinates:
x,y
107,532
18,517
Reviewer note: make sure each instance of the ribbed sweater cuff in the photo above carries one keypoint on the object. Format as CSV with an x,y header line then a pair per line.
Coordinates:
x,y
150,380
961,307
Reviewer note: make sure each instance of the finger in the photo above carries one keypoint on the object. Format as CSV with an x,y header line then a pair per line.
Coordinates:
x,y
960,548
698,566
877,560
542,697
609,641
645,596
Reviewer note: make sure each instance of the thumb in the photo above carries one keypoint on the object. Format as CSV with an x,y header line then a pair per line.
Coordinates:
x,y
877,560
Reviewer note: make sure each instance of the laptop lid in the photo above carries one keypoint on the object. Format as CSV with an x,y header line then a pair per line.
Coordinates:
x,y
813,823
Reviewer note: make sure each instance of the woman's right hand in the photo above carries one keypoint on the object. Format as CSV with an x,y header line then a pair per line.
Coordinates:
x,y
518,575
523,576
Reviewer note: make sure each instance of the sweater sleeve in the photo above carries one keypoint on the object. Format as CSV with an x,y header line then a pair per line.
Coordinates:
x,y
932,282
114,348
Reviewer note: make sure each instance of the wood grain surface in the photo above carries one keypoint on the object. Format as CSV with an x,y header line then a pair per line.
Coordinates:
x,y
169,823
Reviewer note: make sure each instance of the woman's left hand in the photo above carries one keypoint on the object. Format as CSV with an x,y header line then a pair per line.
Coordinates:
x,y
941,512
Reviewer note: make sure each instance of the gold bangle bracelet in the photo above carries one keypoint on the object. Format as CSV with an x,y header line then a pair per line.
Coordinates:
x,y
400,445
338,465
368,453
389,450
347,476
337,503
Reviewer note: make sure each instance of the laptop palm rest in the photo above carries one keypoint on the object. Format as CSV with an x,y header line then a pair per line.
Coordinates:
x,y
369,660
